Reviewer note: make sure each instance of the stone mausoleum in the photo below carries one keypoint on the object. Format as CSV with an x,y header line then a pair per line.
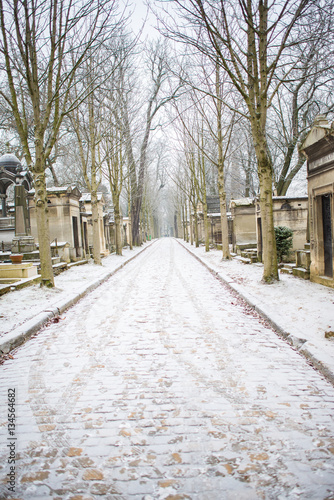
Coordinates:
x,y
64,221
318,148
12,174
86,204
244,224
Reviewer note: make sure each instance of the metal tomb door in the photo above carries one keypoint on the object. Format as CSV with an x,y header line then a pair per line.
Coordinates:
x,y
327,233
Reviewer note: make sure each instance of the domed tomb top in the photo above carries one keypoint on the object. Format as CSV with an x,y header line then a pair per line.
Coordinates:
x,y
10,162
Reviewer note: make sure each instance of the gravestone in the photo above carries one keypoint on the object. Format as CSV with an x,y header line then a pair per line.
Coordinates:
x,y
23,242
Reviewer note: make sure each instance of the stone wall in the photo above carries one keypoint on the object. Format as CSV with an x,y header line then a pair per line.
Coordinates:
x,y
292,213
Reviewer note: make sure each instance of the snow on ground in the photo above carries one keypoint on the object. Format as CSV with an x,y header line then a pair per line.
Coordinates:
x,y
19,306
302,308
160,385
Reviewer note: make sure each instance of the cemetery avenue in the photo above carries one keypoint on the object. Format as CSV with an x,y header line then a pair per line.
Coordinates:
x,y
163,384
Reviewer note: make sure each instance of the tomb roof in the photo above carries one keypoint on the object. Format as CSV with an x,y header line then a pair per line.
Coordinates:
x,y
11,161
242,202
86,197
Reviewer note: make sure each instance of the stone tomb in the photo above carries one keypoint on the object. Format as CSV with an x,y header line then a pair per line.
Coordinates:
x,y
64,221
214,219
12,174
10,273
243,224
86,204
318,148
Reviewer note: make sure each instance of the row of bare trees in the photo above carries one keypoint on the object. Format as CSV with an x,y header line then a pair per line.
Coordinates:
x,y
275,58
68,78
47,51
241,93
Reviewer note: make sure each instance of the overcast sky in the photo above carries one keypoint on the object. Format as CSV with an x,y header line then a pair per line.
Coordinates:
x,y
139,15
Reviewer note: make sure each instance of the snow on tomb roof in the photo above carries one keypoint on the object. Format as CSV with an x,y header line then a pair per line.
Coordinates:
x,y
321,121
10,160
60,189
87,197
242,202
320,129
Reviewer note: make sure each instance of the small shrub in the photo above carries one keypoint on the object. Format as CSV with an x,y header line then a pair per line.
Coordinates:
x,y
283,241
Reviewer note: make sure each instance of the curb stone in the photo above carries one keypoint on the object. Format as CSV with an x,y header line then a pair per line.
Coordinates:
x,y
298,343
23,332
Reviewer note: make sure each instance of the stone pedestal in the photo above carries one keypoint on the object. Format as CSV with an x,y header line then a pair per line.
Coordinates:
x,y
19,271
23,244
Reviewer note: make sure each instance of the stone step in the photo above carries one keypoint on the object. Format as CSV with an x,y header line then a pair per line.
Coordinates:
x,y
77,263
246,246
22,283
244,260
303,258
249,251
249,255
300,272
284,270
289,265
59,268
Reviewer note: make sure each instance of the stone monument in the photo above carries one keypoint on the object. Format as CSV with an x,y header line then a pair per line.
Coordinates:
x,y
23,242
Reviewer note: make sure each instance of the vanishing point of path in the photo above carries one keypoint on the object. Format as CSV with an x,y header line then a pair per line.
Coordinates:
x,y
161,384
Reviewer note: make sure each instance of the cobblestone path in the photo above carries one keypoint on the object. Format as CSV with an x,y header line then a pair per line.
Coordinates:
x,y
161,384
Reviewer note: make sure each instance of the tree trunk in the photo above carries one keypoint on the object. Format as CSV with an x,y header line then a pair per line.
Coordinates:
x,y
191,226
206,226
43,230
117,218
96,229
195,226
118,233
284,184
137,202
269,256
221,176
185,222
223,217
248,183
129,215
130,234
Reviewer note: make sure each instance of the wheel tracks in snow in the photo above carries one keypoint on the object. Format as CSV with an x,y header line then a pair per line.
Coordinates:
x,y
59,438
215,424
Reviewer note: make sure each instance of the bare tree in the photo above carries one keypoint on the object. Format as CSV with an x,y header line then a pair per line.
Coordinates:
x,y
307,93
159,95
87,129
206,90
252,39
113,147
42,46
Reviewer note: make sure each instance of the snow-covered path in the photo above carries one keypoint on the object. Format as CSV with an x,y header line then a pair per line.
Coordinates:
x,y
161,384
